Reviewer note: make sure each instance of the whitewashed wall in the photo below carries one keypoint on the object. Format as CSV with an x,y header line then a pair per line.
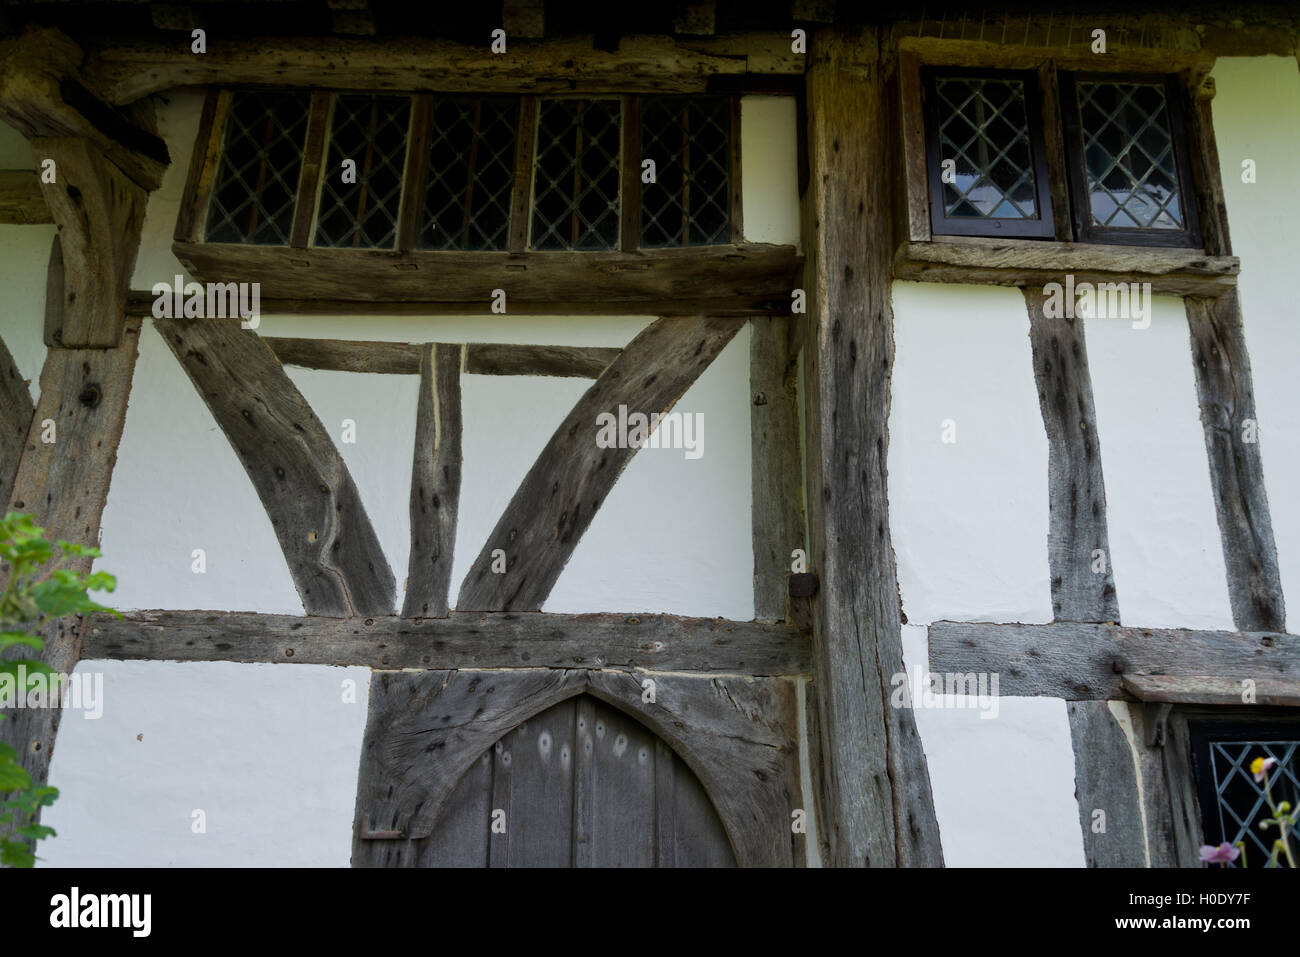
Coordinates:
x,y
271,750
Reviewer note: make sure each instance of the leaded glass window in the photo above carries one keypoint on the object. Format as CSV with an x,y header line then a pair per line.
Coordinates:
x,y
256,185
986,154
470,173
1233,803
371,131
1129,163
576,175
689,139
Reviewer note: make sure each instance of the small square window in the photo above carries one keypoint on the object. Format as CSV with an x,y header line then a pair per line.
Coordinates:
x,y
254,191
576,176
985,154
471,168
1128,164
1232,801
371,131
689,139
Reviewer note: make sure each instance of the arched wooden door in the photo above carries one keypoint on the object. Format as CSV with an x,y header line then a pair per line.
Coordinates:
x,y
579,785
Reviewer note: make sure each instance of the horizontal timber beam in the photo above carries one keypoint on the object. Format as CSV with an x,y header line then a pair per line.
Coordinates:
x,y
481,358
1001,262
21,201
124,72
734,274
1080,661
463,640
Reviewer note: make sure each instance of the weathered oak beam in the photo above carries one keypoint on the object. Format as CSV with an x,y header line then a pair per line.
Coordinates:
x,y
15,419
1212,689
775,464
1227,398
481,358
1175,272
331,548
63,485
1084,661
21,201
559,497
875,805
435,481
737,274
579,362
1083,583
99,212
463,640
124,72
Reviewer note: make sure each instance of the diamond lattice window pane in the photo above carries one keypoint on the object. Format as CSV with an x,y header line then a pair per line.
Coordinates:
x,y
1128,150
984,127
254,191
371,131
1239,798
689,139
576,177
470,174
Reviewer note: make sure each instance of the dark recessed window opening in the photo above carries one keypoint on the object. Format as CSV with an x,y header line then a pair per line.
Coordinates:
x,y
254,192
470,173
1232,801
371,131
577,174
689,139
985,154
1128,160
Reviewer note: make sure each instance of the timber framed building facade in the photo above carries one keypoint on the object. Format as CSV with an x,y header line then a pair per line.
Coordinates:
x,y
325,315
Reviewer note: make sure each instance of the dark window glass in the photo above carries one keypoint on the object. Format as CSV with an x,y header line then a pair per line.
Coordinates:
x,y
689,139
576,176
371,131
471,166
1233,803
256,184
1128,152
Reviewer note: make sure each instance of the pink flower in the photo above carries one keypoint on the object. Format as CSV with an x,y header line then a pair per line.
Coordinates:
x,y
1225,853
1261,766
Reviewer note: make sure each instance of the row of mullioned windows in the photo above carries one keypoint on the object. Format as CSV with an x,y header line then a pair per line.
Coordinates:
x,y
469,174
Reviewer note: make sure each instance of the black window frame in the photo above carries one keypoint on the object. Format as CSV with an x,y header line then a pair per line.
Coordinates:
x,y
1082,227
1043,227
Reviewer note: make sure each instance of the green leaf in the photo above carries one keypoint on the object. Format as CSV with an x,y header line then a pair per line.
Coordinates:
x,y
14,777
37,832
16,854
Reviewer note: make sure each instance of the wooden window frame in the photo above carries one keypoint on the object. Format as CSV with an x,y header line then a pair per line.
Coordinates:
x,y
731,277
1043,226
1081,221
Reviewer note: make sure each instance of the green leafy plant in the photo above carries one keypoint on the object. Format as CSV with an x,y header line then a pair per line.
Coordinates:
x,y
29,603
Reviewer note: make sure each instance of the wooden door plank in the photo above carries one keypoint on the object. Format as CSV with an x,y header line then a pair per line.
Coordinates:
x,y
666,830
584,748
331,548
624,792
540,817
464,828
435,482
565,487
1077,490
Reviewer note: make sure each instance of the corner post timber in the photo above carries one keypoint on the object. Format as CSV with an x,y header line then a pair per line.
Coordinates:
x,y
873,785
105,164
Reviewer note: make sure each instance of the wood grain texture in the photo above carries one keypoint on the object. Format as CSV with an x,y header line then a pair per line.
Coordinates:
x,y
425,731
1076,488
332,551
313,161
1106,780
192,215
565,487
1081,661
620,282
580,362
99,212
1211,689
481,358
124,72
15,419
777,506
435,482
1027,262
875,798
463,640
916,182
21,201
1227,399
346,355
63,485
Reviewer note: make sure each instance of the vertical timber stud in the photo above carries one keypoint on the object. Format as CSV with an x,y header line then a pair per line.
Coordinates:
x,y
876,806
1223,385
63,484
